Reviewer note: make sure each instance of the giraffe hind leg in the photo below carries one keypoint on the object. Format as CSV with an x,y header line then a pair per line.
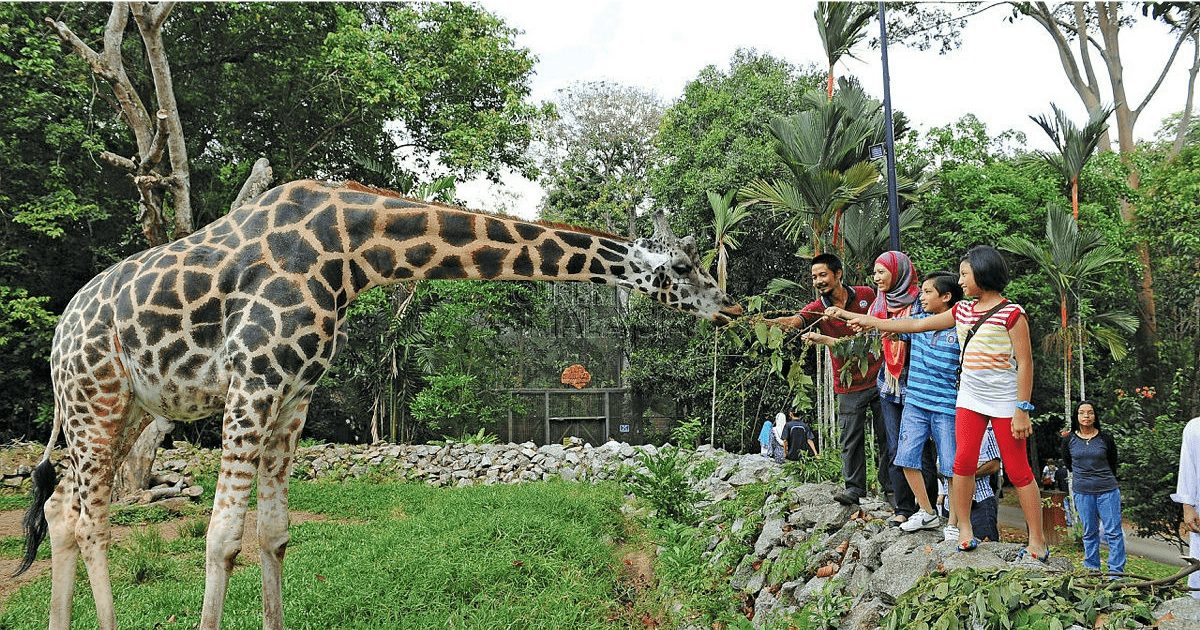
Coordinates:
x,y
62,515
274,468
97,447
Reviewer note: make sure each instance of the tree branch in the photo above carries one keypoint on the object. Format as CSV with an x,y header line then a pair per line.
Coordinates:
x,y
118,161
1187,30
1185,118
109,66
154,154
1042,15
255,184
150,18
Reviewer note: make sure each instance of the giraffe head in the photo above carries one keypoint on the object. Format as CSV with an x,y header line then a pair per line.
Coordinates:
x,y
669,270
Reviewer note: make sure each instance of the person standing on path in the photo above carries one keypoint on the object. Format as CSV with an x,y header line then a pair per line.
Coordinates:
x,y
860,394
1090,454
995,386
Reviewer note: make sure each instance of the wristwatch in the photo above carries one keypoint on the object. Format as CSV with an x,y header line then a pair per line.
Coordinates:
x,y
1025,405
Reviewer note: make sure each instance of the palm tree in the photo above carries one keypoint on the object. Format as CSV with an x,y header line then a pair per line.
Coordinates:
x,y
1074,146
841,25
1073,260
825,149
726,218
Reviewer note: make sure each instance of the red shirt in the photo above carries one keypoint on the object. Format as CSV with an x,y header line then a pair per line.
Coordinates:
x,y
859,301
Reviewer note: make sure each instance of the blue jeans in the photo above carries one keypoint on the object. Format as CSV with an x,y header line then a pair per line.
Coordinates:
x,y
903,501
1097,511
918,425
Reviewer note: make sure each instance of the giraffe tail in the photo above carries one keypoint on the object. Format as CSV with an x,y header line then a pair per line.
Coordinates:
x,y
44,481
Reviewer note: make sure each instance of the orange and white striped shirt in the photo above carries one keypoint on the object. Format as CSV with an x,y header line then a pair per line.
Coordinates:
x,y
989,374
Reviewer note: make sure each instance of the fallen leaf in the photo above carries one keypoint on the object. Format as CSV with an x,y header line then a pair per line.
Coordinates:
x,y
320,578
521,563
171,619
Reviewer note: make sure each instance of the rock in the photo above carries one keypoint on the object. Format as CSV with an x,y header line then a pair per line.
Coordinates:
x,y
902,564
810,591
864,615
772,531
764,608
714,489
753,469
1184,612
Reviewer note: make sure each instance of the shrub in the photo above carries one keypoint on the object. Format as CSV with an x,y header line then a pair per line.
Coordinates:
x,y
666,484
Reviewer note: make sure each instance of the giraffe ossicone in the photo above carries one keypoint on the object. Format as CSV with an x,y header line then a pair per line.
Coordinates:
x,y
243,317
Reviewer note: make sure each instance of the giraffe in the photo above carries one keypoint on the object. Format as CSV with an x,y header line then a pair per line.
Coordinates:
x,y
243,317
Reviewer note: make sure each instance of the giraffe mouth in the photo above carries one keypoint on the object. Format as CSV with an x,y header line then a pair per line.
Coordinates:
x,y
727,315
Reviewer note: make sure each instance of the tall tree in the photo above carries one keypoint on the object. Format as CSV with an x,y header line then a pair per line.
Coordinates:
x,y
603,134
1073,260
153,133
841,25
825,150
1073,28
1075,145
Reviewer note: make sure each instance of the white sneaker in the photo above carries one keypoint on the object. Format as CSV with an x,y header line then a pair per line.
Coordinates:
x,y
950,532
921,520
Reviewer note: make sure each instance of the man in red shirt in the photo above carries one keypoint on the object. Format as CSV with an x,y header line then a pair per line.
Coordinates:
x,y
853,399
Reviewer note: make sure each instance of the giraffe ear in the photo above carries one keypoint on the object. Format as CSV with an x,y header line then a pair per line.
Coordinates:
x,y
689,245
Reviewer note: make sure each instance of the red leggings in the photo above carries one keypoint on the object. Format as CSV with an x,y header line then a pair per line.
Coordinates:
x,y
969,427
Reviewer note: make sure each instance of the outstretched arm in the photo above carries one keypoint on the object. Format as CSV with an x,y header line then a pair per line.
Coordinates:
x,y
901,325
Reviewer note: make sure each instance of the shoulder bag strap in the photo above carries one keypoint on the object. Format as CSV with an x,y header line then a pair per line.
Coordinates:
x,y
962,352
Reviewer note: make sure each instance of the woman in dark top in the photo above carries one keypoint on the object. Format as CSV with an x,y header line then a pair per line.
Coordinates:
x,y
1091,456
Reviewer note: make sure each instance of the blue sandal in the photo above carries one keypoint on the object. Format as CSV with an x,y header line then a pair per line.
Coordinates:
x,y
1044,558
969,545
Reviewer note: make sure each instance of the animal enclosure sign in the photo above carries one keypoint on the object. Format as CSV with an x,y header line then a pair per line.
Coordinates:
x,y
576,376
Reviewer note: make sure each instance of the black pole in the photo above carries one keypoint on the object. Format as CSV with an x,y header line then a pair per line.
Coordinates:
x,y
889,138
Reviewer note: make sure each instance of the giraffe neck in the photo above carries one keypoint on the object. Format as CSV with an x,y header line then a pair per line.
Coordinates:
x,y
389,240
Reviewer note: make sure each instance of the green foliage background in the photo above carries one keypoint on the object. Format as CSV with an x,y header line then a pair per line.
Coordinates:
x,y
397,95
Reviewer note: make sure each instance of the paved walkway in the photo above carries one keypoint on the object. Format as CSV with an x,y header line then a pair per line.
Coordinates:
x,y
1151,549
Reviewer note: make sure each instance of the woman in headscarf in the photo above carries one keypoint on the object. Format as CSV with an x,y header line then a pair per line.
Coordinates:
x,y
777,451
765,437
898,288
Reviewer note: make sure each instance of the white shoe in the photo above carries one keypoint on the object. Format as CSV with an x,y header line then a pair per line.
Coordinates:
x,y
921,520
950,532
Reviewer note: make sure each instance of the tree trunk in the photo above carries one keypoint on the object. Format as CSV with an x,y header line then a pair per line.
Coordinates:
x,y
131,478
1075,198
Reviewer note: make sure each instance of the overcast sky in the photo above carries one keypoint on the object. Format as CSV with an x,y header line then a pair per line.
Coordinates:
x,y
1003,73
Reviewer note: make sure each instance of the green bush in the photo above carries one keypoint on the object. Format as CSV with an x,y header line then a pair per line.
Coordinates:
x,y
666,485
1011,598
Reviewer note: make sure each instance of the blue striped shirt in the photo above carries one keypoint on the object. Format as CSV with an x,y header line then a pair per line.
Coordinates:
x,y
932,365
988,450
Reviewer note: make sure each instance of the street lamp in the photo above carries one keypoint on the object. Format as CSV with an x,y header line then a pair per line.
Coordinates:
x,y
889,138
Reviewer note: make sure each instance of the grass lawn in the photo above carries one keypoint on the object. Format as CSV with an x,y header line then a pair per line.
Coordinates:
x,y
540,555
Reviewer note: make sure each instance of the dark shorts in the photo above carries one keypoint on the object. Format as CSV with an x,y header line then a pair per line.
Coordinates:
x,y
983,519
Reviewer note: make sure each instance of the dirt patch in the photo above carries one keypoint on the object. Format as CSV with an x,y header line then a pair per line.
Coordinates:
x,y
637,577
10,525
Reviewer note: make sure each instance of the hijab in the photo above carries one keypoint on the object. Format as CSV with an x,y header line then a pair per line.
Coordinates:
x,y
896,301
780,420
764,436
904,289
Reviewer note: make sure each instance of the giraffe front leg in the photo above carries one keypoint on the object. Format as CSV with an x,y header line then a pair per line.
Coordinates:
x,y
274,468
240,447
62,516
